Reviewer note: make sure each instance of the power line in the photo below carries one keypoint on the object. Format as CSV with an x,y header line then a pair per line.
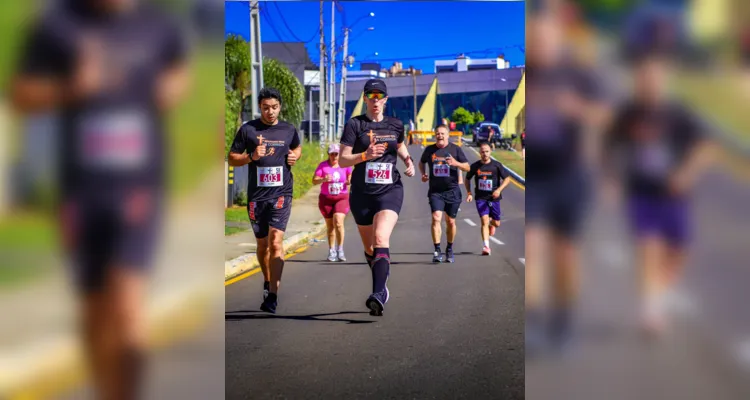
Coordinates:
x,y
315,34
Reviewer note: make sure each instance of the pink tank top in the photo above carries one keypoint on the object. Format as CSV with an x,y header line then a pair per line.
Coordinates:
x,y
339,178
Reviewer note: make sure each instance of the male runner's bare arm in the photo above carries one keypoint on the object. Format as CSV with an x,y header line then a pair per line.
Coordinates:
x,y
238,160
503,185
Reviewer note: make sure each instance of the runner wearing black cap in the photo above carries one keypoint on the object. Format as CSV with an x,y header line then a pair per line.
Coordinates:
x,y
371,143
271,147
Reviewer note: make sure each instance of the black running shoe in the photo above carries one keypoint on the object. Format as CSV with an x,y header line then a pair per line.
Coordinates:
x,y
376,303
437,257
270,303
449,256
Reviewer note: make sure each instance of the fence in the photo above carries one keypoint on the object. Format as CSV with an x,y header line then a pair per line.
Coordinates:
x,y
426,138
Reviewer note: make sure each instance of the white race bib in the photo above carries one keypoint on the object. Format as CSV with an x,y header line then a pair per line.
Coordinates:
x,y
485,185
335,188
115,140
270,176
379,173
441,170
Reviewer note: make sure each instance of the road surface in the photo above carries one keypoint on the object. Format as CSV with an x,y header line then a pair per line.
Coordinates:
x,y
449,331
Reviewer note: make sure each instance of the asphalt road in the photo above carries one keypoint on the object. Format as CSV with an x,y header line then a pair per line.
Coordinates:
x,y
449,331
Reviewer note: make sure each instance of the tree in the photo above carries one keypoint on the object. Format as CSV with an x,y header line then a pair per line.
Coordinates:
x,y
477,117
278,76
237,77
462,117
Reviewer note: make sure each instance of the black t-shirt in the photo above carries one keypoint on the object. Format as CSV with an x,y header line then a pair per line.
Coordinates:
x,y
270,177
649,145
443,178
487,178
556,139
374,176
116,138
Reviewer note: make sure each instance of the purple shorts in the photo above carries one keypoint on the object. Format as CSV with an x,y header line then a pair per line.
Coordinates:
x,y
488,207
665,218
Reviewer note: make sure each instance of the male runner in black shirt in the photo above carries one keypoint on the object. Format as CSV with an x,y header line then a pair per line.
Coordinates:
x,y
488,174
271,147
445,160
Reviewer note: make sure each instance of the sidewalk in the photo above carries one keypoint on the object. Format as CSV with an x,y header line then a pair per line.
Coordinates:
x,y
42,343
305,225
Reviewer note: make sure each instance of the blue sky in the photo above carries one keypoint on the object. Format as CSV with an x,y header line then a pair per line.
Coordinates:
x,y
414,33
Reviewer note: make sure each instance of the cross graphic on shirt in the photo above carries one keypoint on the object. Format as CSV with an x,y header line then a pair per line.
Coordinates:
x,y
371,134
260,140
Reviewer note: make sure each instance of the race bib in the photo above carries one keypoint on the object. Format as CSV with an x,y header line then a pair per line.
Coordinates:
x,y
653,160
441,170
485,185
270,176
335,188
116,140
379,173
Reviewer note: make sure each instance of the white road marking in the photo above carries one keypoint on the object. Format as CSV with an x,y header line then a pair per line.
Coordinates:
x,y
742,352
522,260
470,222
496,240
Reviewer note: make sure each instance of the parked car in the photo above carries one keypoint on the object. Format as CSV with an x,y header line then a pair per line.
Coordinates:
x,y
482,132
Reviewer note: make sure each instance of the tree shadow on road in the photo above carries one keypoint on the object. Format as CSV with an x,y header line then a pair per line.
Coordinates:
x,y
256,314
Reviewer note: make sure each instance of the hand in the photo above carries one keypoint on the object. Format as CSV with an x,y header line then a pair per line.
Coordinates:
x,y
469,198
679,184
259,152
375,151
496,194
328,178
410,169
291,158
425,177
451,161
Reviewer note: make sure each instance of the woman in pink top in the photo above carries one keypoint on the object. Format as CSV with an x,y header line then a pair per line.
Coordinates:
x,y
334,200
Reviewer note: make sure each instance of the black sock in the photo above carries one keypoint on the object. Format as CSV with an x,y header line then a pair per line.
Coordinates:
x,y
266,285
450,246
437,247
381,266
369,259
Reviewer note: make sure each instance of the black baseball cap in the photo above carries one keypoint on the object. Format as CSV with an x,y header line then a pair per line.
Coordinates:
x,y
376,84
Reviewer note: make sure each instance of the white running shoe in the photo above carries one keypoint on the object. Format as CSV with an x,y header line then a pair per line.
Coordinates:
x,y
342,257
332,255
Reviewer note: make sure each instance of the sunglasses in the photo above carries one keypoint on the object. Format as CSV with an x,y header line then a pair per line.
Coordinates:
x,y
377,96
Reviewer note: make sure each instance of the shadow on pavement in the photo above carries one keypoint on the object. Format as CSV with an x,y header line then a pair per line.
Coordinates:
x,y
256,314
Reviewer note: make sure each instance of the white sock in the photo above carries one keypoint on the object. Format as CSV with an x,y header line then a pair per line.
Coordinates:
x,y
340,248
486,243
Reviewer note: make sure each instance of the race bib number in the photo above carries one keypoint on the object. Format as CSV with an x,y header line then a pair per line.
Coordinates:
x,y
335,188
441,170
270,176
653,160
379,173
485,185
116,140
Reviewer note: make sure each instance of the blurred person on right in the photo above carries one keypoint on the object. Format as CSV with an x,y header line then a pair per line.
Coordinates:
x,y
110,69
566,107
657,148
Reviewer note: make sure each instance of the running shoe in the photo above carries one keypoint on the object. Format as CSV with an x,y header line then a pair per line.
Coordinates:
x,y
449,256
376,302
270,303
342,257
437,257
332,255
486,251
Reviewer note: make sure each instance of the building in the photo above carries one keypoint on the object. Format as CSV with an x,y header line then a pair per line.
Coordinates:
x,y
490,91
463,63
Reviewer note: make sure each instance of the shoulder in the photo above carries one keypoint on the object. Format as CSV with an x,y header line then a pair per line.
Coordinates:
x,y
394,123
286,127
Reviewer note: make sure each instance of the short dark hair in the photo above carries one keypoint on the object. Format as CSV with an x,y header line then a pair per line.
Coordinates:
x,y
443,126
269,93
484,143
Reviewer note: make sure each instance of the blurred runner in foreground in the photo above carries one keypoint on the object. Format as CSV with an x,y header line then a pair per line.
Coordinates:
x,y
659,149
110,69
566,109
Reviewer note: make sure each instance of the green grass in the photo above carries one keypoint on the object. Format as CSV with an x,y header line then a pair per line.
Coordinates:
x,y
718,97
511,160
27,248
312,155
236,213
231,230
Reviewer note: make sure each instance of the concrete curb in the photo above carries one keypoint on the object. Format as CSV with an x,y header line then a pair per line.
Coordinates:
x,y
514,174
247,262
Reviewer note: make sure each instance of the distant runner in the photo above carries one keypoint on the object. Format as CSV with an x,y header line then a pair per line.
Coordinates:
x,y
333,201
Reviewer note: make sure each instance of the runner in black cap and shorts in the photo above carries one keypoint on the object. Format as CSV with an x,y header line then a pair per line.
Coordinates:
x,y
371,143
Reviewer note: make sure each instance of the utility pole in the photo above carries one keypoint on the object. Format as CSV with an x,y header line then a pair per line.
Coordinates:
x,y
256,57
322,92
414,82
342,86
332,91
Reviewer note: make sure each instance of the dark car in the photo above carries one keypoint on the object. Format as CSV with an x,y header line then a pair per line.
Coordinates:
x,y
482,132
